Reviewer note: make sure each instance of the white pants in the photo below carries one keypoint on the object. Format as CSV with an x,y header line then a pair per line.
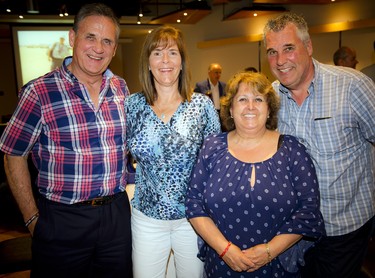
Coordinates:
x,y
153,241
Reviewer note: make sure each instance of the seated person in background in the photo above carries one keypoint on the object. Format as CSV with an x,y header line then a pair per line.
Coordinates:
x,y
254,195
212,86
345,57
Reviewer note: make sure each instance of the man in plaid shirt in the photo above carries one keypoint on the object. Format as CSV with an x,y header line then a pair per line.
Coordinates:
x,y
72,121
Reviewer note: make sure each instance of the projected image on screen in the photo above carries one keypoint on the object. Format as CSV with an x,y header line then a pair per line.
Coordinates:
x,y
38,52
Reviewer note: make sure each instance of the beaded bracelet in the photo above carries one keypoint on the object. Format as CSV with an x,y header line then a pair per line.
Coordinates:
x,y
31,219
268,252
226,249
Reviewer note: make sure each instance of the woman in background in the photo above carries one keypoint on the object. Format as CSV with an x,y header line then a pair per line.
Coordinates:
x,y
166,125
254,192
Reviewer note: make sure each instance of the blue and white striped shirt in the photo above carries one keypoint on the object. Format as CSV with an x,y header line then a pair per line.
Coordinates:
x,y
336,123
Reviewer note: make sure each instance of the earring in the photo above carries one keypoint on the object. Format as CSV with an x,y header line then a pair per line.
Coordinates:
x,y
231,116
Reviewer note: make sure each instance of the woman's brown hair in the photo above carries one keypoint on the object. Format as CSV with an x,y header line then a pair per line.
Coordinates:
x,y
164,36
261,85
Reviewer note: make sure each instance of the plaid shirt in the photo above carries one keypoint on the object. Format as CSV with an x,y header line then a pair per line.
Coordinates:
x,y
336,123
79,150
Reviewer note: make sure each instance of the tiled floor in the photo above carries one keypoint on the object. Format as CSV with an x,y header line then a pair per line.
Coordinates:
x,y
22,274
6,233
11,225
10,232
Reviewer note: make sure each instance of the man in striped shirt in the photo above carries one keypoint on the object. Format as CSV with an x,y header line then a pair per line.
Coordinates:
x,y
72,121
331,110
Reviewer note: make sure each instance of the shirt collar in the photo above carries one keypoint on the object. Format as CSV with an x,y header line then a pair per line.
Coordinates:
x,y
76,88
108,74
212,85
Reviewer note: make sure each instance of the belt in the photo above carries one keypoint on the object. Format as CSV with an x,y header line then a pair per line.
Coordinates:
x,y
100,201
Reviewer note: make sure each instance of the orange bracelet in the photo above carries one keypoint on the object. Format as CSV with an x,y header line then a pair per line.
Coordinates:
x,y
226,249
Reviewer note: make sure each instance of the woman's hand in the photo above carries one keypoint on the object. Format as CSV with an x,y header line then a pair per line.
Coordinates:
x,y
237,260
231,254
263,253
258,255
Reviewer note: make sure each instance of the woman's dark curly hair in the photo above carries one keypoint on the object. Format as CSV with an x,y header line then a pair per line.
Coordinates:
x,y
260,84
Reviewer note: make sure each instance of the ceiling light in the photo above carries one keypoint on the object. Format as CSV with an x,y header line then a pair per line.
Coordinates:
x,y
189,13
140,14
63,11
254,10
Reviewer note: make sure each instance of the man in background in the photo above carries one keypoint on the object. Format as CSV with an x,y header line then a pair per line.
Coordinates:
x,y
212,86
57,53
72,121
345,57
370,70
331,110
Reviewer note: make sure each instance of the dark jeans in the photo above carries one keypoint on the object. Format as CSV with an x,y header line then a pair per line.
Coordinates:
x,y
83,241
339,256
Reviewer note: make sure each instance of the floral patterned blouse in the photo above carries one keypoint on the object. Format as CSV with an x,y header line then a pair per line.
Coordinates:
x,y
166,152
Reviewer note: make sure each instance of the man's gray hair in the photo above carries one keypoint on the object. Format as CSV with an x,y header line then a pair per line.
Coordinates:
x,y
278,24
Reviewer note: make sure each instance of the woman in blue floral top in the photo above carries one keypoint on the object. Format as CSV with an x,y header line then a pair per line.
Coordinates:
x,y
166,125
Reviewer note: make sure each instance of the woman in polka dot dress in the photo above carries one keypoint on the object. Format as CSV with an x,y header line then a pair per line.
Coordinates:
x,y
253,195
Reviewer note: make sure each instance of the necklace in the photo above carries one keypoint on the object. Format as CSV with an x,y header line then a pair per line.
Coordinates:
x,y
162,115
